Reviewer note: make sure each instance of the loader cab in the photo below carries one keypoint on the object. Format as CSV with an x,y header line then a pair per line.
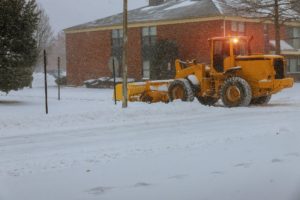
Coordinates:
x,y
225,49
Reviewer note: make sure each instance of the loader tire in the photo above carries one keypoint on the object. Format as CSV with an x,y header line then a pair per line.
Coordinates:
x,y
261,100
181,89
207,101
236,92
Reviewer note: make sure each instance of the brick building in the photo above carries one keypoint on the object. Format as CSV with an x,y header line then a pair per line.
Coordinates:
x,y
187,22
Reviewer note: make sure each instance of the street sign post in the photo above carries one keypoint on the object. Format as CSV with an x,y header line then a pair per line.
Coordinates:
x,y
113,65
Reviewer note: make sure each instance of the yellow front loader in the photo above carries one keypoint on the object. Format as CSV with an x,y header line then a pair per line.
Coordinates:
x,y
234,76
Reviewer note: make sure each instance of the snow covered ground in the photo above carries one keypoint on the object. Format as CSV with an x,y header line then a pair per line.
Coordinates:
x,y
87,148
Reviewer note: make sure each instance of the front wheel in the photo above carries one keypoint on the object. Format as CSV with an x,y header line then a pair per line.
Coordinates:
x,y
181,89
236,92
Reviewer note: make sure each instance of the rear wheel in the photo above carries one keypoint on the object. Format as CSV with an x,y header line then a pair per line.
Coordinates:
x,y
236,92
261,100
207,101
181,89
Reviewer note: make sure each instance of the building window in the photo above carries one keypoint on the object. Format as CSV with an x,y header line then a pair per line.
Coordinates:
x,y
238,27
293,36
146,69
149,37
293,64
266,39
117,46
296,35
117,37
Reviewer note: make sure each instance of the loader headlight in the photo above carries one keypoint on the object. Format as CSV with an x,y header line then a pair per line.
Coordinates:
x,y
235,40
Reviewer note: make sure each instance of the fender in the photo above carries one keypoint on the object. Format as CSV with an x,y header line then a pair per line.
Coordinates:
x,y
233,69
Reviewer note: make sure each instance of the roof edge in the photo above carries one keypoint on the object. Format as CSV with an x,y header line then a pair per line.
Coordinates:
x,y
175,21
144,24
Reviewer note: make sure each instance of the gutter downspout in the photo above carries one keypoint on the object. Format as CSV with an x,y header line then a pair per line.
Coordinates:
x,y
224,27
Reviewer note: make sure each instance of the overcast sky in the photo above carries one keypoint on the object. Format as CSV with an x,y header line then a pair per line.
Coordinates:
x,y
67,13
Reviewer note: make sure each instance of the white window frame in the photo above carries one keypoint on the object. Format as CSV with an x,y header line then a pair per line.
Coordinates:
x,y
239,27
146,69
149,37
297,67
234,26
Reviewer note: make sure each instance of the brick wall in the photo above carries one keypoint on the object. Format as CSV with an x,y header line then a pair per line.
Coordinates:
x,y
192,38
271,32
88,52
87,56
258,44
135,53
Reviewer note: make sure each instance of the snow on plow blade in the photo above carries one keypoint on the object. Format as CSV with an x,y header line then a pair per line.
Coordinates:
x,y
150,91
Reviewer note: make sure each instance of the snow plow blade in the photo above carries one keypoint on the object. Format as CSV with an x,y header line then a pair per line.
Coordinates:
x,y
150,91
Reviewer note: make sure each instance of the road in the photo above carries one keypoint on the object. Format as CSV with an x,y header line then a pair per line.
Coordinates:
x,y
89,149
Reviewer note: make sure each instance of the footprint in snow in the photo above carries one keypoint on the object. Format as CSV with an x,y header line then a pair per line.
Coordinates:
x,y
14,173
217,172
245,165
276,160
283,130
142,184
178,177
99,190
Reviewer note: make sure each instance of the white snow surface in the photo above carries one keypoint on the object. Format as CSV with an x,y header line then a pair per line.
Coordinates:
x,y
162,88
39,80
218,6
183,4
193,79
87,148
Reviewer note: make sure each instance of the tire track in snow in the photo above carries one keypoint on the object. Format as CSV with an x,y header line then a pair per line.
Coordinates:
x,y
111,142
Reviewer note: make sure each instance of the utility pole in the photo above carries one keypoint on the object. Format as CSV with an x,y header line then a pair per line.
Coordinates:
x,y
58,75
114,74
125,53
45,81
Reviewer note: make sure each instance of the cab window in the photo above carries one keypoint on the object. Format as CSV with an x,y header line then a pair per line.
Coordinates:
x,y
240,48
221,50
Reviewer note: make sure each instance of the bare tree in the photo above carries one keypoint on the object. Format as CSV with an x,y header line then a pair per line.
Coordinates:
x,y
277,11
296,6
43,35
56,49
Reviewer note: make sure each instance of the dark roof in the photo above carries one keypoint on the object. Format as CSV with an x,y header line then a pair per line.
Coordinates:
x,y
170,10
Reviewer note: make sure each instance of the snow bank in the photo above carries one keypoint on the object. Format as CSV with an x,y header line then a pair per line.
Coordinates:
x,y
38,80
